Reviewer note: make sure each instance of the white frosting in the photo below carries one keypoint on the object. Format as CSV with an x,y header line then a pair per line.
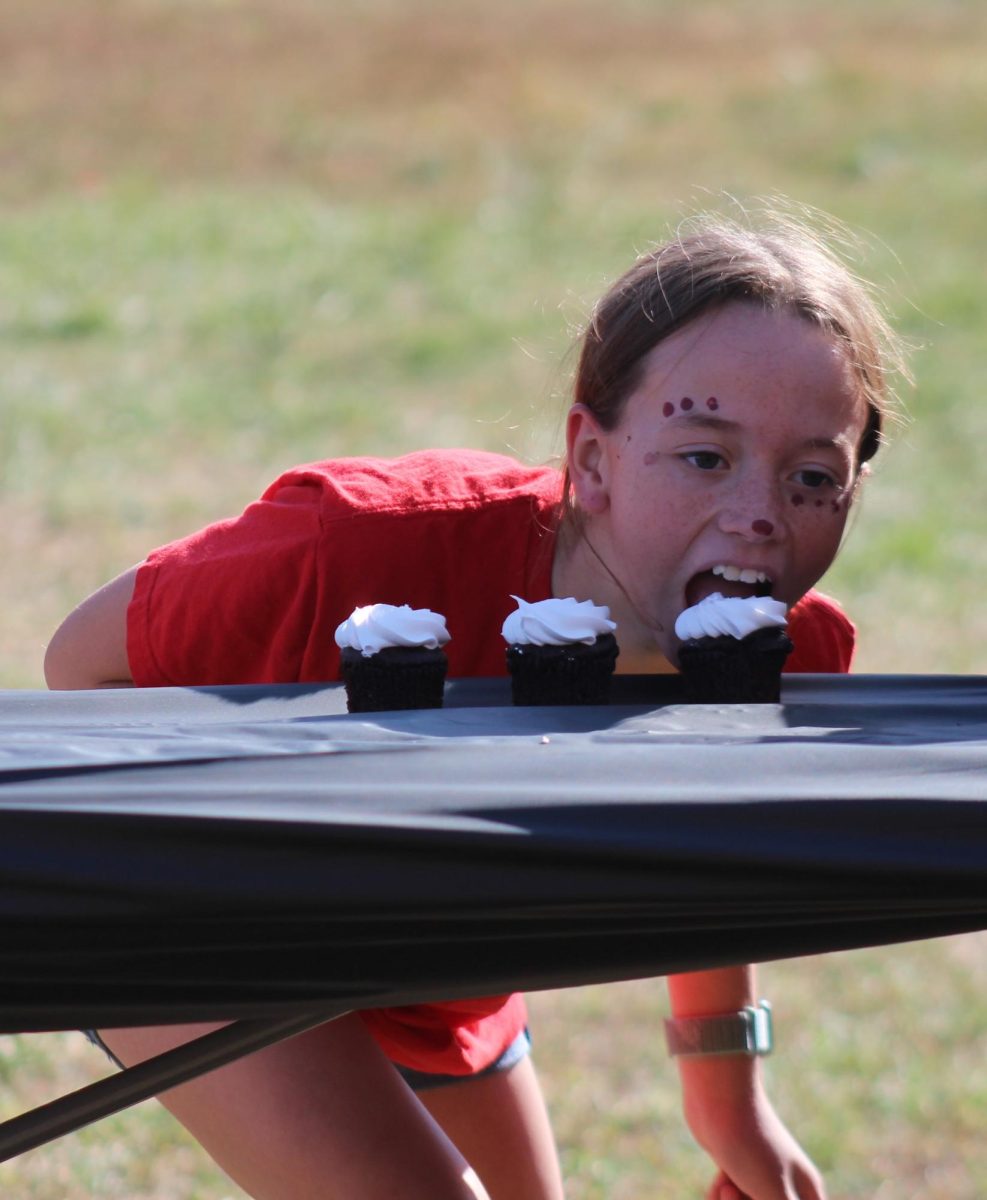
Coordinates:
x,y
556,622
730,616
380,626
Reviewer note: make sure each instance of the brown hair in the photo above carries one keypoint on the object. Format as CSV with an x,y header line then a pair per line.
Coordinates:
x,y
783,266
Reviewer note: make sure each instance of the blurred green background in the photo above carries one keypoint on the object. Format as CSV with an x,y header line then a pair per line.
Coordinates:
x,y
236,235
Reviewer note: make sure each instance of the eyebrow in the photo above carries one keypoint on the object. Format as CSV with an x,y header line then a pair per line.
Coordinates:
x,y
702,421
696,419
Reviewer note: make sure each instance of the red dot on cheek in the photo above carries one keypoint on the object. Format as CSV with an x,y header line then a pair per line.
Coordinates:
x,y
836,506
667,408
712,404
798,500
819,504
686,404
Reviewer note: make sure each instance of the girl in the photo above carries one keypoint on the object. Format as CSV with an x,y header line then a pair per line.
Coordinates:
x,y
729,392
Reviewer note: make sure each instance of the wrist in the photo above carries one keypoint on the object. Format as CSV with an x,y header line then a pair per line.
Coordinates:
x,y
747,1031
720,1095
729,1077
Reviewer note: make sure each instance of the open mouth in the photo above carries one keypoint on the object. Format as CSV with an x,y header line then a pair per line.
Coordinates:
x,y
728,580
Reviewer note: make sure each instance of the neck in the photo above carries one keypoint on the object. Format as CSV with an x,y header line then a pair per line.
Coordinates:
x,y
580,569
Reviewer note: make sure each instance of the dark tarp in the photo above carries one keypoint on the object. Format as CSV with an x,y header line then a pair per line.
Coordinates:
x,y
181,854
255,854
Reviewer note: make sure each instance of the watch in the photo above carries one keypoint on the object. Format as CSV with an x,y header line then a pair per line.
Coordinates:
x,y
746,1032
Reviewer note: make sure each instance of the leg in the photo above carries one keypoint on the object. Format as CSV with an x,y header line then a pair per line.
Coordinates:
x,y
500,1125
322,1115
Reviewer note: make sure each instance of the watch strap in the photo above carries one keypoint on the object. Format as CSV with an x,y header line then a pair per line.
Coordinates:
x,y
749,1032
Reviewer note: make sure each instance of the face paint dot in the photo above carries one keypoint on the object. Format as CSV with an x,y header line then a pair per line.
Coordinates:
x,y
836,506
819,504
667,408
798,500
763,527
712,404
686,404
651,458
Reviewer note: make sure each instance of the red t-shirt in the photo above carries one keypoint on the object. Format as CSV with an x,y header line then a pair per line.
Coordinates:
x,y
256,599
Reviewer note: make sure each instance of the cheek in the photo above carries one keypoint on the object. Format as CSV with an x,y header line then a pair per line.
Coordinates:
x,y
825,506
652,516
822,506
817,528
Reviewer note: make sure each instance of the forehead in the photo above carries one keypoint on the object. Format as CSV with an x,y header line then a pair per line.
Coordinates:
x,y
759,365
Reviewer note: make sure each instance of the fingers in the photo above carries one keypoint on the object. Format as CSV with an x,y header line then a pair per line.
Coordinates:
x,y
809,1186
713,1192
723,1188
804,1188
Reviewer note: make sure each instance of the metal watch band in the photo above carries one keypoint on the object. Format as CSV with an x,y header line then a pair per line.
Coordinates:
x,y
746,1032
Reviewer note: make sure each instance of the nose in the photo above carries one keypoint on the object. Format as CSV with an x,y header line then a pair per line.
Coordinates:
x,y
753,511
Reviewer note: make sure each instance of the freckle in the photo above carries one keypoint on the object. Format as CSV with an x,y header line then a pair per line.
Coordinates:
x,y
686,404
667,408
712,404
651,458
798,500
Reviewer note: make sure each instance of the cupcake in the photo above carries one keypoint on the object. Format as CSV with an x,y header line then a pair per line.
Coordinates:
x,y
392,657
733,649
560,652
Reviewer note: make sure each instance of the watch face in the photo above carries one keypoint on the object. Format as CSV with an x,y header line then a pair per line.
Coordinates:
x,y
762,1027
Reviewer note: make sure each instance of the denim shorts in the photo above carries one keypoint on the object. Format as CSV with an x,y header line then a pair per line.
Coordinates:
x,y
421,1081
418,1081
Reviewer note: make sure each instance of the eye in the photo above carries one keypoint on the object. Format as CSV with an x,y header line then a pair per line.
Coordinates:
x,y
704,460
813,479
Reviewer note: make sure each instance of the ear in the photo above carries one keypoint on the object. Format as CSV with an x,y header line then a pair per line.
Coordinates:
x,y
586,458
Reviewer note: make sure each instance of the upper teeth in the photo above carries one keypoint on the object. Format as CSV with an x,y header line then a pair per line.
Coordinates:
x,y
744,574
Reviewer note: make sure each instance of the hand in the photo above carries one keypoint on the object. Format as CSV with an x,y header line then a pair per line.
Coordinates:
x,y
738,1127
726,1107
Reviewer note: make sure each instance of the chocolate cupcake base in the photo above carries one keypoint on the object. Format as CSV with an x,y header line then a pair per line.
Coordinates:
x,y
569,674
398,677
727,670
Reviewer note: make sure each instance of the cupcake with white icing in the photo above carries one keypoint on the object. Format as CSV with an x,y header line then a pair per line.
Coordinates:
x,y
560,652
733,649
392,657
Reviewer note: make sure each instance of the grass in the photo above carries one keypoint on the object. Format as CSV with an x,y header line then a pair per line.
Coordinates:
x,y
235,235
862,1065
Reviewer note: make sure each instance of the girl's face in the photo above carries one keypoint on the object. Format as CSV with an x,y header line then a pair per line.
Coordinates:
x,y
732,469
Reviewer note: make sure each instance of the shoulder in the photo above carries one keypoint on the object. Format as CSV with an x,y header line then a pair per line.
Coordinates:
x,y
424,481
824,636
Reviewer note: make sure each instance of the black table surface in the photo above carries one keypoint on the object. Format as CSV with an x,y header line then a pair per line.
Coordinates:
x,y
178,853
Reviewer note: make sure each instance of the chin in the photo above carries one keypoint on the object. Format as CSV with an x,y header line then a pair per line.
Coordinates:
x,y
668,644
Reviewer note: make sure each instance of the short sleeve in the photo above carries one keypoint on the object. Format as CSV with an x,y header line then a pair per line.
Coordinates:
x,y
232,603
823,635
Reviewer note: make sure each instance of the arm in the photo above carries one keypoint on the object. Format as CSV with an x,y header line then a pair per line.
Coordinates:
x,y
89,648
726,1106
